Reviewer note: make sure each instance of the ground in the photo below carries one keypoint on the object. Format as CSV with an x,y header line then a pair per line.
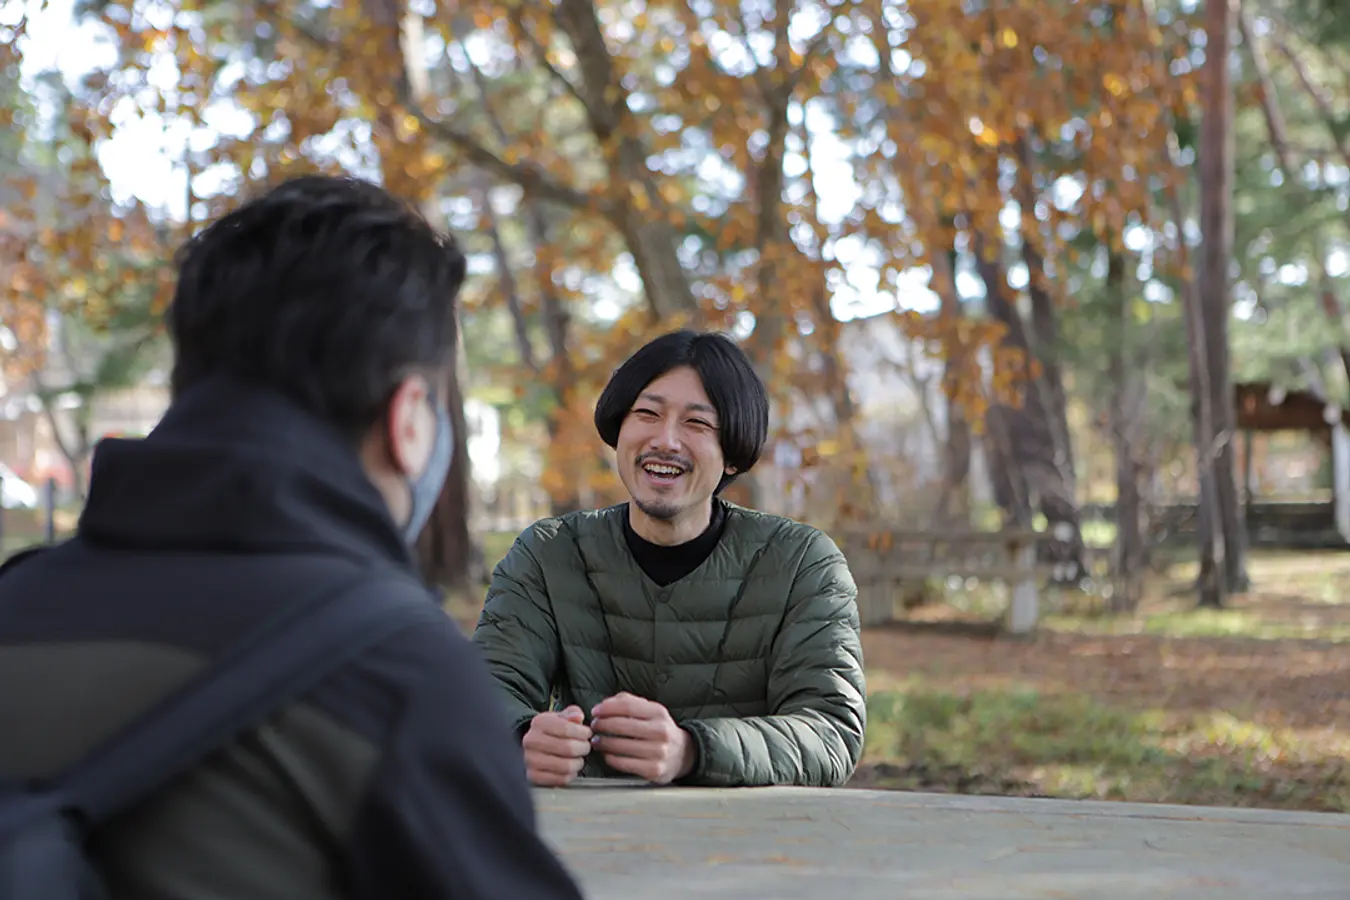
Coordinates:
x,y
1249,706
1246,707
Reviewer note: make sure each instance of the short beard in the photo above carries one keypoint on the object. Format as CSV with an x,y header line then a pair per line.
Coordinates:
x,y
662,512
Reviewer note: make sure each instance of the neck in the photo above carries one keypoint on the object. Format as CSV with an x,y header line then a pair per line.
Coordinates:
x,y
669,532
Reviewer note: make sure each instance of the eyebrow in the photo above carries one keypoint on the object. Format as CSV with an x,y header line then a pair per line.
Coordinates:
x,y
692,407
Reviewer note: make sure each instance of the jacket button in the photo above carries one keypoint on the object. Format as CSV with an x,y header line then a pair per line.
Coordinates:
x,y
663,596
663,678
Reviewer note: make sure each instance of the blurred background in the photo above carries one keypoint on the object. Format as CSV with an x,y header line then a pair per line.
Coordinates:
x,y
1051,297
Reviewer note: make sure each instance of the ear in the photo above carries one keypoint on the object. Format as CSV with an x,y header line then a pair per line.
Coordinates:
x,y
404,431
731,470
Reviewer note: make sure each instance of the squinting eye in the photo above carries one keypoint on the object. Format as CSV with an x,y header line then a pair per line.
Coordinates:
x,y
645,413
700,423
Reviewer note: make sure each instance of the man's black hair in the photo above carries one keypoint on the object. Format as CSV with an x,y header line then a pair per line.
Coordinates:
x,y
328,290
733,386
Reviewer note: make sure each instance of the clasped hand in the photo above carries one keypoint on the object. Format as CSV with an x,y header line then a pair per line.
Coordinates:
x,y
633,734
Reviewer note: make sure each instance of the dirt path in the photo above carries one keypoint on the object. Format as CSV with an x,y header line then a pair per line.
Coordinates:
x,y
1294,684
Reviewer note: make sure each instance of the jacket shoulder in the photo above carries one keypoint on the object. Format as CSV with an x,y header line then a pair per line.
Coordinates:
x,y
754,528
568,525
556,537
19,557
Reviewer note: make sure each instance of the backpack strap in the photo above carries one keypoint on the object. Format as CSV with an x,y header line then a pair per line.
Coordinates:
x,y
289,654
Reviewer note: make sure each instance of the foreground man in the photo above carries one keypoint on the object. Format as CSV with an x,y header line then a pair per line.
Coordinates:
x,y
305,446
677,637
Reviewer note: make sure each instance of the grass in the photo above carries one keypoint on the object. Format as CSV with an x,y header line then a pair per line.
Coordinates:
x,y
1023,742
1226,623
1294,596
1244,706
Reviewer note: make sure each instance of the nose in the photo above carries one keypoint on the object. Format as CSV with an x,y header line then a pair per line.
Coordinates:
x,y
667,437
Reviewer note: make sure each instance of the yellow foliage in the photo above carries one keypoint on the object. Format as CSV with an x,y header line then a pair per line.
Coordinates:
x,y
977,90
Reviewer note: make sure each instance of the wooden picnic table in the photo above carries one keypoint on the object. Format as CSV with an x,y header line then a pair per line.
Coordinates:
x,y
627,841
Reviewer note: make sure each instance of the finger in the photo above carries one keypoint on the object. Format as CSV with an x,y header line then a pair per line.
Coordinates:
x,y
617,702
552,765
550,778
629,727
574,713
556,726
626,704
628,747
646,769
551,745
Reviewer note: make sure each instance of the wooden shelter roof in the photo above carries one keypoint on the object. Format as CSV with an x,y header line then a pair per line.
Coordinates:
x,y
1263,407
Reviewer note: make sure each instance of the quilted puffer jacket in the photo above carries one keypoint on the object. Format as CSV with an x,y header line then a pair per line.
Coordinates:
x,y
756,653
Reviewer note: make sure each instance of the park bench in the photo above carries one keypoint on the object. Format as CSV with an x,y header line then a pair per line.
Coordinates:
x,y
886,562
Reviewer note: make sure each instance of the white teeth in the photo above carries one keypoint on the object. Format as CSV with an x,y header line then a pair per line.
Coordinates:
x,y
662,470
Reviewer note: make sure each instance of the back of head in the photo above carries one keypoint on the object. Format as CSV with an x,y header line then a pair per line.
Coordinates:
x,y
328,290
728,377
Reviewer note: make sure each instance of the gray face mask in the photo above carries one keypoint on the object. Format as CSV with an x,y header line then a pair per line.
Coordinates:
x,y
426,487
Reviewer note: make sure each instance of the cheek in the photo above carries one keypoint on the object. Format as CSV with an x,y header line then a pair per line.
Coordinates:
x,y
628,445
710,459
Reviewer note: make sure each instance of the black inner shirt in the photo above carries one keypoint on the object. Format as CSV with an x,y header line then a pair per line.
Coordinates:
x,y
667,565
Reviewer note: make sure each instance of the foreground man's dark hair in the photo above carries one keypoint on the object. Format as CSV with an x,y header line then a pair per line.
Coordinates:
x,y
733,386
328,290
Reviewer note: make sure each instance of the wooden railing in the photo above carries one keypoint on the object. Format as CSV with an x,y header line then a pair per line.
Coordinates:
x,y
884,563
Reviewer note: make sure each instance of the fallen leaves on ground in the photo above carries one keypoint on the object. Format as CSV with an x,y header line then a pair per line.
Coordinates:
x,y
1119,714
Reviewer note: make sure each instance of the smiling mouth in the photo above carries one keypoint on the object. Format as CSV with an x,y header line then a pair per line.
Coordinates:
x,y
662,472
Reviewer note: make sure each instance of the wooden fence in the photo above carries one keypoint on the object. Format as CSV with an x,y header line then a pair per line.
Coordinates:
x,y
884,563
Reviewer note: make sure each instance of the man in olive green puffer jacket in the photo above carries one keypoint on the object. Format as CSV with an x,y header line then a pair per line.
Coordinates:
x,y
678,637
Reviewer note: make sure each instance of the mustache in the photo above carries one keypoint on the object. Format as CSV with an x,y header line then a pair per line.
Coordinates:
x,y
667,458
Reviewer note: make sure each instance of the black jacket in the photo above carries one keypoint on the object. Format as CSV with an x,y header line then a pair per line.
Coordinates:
x,y
398,777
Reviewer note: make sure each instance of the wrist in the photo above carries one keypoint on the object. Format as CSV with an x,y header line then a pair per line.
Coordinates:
x,y
688,754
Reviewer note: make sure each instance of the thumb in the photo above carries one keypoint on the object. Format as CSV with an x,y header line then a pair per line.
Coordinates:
x,y
574,714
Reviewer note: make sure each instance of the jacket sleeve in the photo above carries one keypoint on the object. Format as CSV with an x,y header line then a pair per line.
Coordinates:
x,y
518,635
814,735
448,813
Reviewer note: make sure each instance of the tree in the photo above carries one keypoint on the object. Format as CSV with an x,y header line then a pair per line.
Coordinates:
x,y
86,278
1216,165
623,168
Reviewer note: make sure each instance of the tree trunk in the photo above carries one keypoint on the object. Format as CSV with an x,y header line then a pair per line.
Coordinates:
x,y
447,553
1060,507
506,278
1216,168
1127,401
771,238
1012,492
556,322
445,550
639,208
953,508
555,315
1033,455
1211,585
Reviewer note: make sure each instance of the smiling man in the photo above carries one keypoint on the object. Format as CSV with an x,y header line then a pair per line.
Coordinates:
x,y
678,637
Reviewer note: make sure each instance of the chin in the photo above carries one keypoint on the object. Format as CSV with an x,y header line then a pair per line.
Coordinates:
x,y
656,509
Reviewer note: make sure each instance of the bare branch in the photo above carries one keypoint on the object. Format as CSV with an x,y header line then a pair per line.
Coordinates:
x,y
1270,105
816,44
533,180
1317,95
607,100
541,53
530,178
760,77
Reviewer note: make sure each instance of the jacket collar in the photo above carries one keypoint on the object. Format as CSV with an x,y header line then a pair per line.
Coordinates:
x,y
236,467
